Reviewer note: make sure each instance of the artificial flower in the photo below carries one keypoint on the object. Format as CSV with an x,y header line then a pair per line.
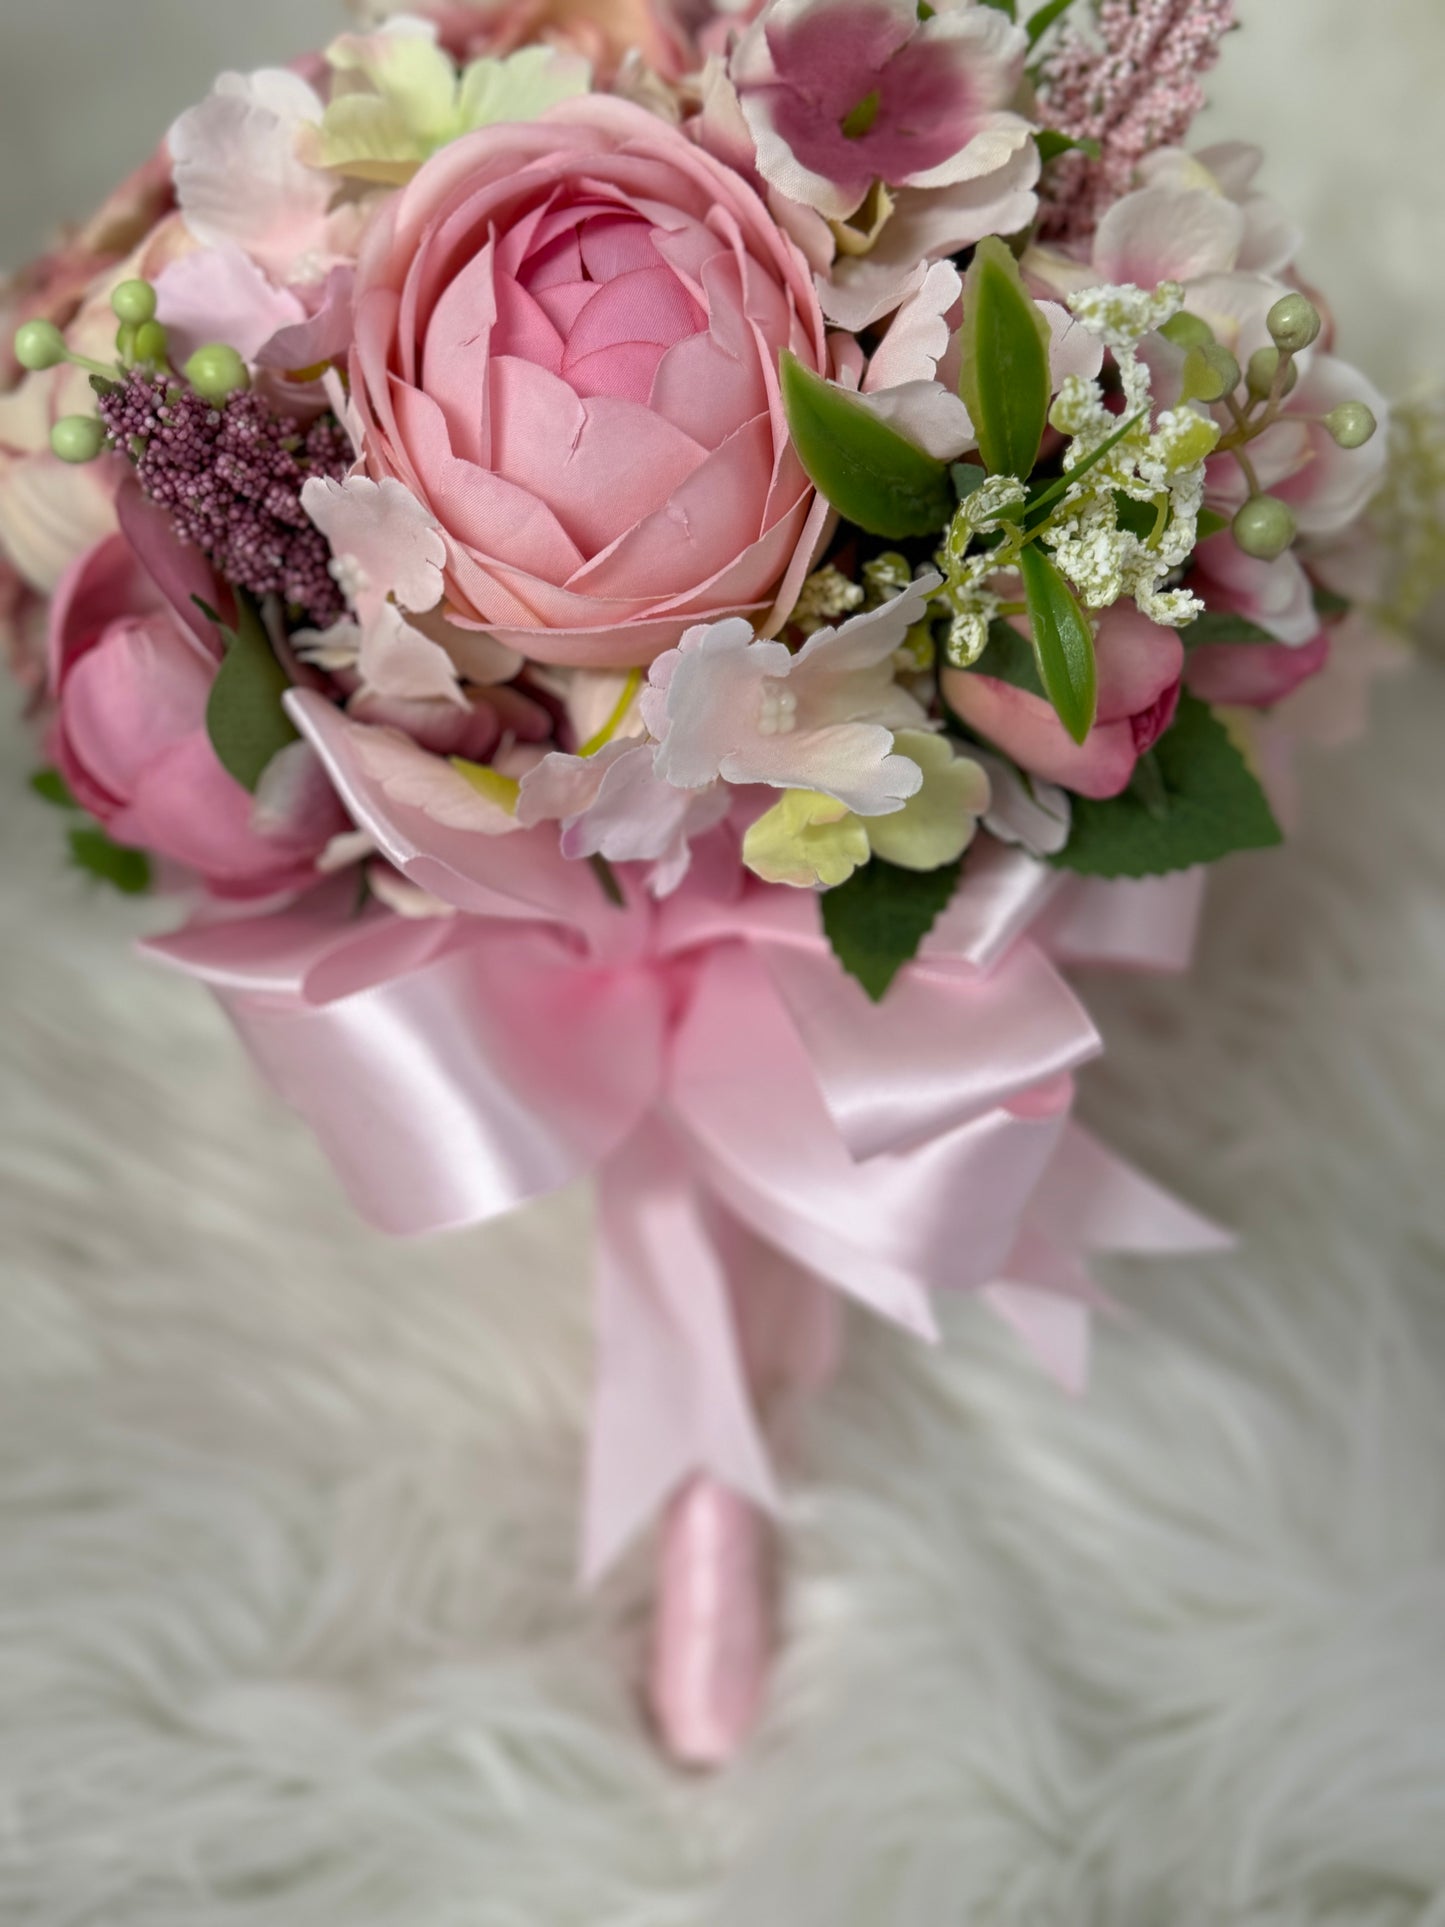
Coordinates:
x,y
936,824
1139,667
840,98
727,704
132,681
806,841
397,96
240,178
567,338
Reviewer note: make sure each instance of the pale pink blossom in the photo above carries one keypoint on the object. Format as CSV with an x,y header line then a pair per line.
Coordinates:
x,y
1270,240
726,704
613,804
239,179
1273,595
385,542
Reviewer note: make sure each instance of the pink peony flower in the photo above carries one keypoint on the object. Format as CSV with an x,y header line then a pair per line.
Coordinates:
x,y
1140,665
567,336
132,680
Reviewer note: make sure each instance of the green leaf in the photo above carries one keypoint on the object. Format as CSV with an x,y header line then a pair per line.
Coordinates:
x,y
1009,657
878,918
245,719
1010,7
1210,522
1218,625
1051,142
51,787
1196,804
1142,519
871,474
128,871
1041,19
1063,642
1328,603
1004,372
967,476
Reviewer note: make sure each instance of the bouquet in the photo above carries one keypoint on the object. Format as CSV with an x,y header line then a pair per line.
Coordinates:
x,y
651,576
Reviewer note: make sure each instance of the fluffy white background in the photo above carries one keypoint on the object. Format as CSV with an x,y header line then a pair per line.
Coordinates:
x,y
287,1513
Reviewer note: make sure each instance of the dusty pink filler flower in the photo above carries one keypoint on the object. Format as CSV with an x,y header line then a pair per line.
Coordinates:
x,y
1132,88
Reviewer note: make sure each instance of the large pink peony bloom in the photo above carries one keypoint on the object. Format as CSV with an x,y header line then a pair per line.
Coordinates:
x,y
132,680
1139,670
567,336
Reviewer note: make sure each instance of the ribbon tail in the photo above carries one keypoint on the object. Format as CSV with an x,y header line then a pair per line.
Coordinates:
x,y
671,1391
1056,1332
1090,1200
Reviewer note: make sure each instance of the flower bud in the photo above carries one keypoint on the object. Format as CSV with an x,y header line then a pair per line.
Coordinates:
x,y
40,345
217,372
1293,322
134,301
1210,373
1351,424
1264,527
78,438
1263,367
1187,331
151,343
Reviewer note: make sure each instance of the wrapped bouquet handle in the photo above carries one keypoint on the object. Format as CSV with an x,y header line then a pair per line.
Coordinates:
x,y
652,591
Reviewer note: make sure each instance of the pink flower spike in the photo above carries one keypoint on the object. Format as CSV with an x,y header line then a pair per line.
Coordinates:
x,y
384,541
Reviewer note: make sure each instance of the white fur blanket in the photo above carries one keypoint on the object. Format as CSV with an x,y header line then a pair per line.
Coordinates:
x,y
287,1513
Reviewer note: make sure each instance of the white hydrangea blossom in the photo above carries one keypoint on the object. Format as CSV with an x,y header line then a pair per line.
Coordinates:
x,y
1160,466
1157,464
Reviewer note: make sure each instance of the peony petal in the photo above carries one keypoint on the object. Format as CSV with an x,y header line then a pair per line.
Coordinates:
x,y
600,464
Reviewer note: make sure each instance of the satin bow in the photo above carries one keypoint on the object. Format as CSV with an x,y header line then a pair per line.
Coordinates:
x,y
759,1131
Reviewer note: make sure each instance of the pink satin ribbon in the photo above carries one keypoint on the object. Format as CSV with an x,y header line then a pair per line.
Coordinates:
x,y
758,1130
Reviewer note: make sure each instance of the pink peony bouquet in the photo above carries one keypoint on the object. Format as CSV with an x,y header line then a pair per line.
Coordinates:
x,y
652,576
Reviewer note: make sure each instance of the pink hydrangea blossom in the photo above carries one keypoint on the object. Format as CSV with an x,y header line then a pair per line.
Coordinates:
x,y
724,704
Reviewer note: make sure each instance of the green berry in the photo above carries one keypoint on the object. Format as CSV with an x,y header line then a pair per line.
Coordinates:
x,y
217,372
1264,527
151,343
1210,373
40,345
78,438
1187,331
134,301
1293,322
1263,367
1351,424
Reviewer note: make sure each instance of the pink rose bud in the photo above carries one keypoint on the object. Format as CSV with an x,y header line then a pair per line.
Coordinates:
x,y
132,681
1139,665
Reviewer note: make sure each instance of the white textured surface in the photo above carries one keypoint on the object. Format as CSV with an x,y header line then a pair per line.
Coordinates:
x,y
286,1513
